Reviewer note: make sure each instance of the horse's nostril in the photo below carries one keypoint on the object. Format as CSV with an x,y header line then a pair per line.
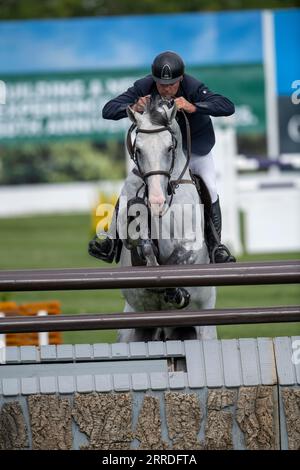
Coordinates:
x,y
157,200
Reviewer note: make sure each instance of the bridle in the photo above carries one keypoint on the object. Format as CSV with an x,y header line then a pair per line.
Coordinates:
x,y
172,184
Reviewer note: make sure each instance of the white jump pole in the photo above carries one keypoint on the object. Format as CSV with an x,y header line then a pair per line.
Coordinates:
x,y
43,335
2,344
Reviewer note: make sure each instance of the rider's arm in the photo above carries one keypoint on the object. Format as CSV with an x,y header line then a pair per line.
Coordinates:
x,y
116,108
208,102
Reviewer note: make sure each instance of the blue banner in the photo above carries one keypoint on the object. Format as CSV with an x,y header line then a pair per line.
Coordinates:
x,y
287,42
129,42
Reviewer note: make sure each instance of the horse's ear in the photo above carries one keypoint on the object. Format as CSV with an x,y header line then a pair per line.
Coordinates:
x,y
131,114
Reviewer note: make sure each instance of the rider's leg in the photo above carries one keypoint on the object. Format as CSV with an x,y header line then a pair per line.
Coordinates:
x,y
104,244
204,167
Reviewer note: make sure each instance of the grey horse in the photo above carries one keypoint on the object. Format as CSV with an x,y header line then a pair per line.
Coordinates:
x,y
179,238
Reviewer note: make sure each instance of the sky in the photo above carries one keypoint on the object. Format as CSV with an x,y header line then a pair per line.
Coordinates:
x,y
104,43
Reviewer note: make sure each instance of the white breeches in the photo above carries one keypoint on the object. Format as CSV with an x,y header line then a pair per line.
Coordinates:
x,y
204,167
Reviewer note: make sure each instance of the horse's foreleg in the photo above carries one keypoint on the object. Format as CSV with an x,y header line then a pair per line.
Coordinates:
x,y
147,252
126,335
208,332
135,334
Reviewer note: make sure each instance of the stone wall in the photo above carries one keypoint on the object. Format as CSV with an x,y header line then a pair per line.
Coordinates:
x,y
229,394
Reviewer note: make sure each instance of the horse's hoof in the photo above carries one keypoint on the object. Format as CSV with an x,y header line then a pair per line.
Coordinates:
x,y
179,297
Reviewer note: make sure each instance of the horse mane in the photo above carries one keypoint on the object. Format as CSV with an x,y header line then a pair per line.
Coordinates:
x,y
156,110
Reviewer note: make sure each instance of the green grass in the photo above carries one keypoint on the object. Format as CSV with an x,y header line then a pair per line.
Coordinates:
x,y
60,241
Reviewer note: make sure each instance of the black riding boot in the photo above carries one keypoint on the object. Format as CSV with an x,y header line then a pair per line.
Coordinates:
x,y
218,253
105,249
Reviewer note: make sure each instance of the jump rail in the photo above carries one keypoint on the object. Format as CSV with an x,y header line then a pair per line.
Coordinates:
x,y
230,274
150,319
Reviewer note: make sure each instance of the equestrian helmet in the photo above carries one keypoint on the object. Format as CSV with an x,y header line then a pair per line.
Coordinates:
x,y
167,68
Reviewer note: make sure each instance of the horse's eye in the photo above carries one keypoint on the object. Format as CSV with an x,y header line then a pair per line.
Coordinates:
x,y
170,148
137,150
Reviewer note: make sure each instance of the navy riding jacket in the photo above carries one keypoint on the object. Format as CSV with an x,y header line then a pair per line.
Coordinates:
x,y
207,102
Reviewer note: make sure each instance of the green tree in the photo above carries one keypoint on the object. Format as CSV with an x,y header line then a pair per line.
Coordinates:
x,y
25,9
61,162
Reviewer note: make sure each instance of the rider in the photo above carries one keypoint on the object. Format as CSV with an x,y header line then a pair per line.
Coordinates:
x,y
169,80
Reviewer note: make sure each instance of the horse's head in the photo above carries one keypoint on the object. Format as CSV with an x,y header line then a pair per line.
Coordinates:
x,y
155,148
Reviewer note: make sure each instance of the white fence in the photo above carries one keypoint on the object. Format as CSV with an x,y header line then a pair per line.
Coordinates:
x,y
269,201
34,199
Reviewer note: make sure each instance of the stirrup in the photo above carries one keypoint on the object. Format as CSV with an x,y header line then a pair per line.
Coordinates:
x,y
178,296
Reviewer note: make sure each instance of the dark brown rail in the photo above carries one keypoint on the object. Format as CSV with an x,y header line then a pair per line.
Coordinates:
x,y
233,274
22,324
